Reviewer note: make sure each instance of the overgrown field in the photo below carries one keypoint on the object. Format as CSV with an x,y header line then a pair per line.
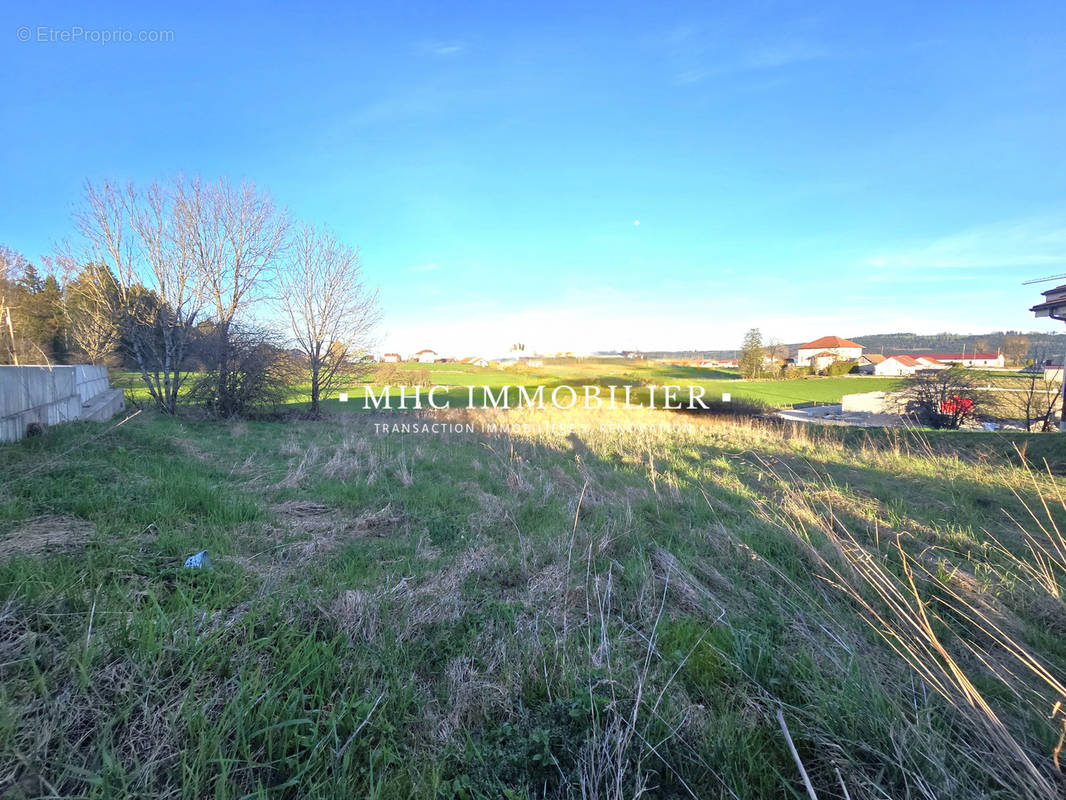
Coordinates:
x,y
530,613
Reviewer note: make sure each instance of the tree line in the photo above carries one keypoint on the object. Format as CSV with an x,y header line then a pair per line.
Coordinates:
x,y
193,275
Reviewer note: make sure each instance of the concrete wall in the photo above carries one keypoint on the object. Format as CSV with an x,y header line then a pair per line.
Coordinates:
x,y
90,381
50,395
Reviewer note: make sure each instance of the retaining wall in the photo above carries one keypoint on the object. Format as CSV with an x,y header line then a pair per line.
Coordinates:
x,y
52,395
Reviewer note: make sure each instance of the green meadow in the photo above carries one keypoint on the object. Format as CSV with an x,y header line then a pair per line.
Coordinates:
x,y
582,614
768,394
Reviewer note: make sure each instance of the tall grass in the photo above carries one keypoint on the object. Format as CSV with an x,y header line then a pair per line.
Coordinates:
x,y
593,610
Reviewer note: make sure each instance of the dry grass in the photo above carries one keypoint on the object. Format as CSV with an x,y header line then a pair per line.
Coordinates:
x,y
945,630
633,607
46,534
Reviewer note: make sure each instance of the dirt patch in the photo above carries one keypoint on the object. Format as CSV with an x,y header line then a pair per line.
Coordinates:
x,y
320,529
46,534
318,519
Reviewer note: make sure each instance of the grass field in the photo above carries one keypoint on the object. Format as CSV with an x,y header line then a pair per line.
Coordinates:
x,y
769,393
563,613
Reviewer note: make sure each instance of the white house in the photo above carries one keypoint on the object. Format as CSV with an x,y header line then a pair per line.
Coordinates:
x,y
425,356
822,352
897,365
391,358
474,361
928,362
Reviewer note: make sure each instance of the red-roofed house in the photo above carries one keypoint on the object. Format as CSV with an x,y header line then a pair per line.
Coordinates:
x,y
822,352
928,362
868,362
391,358
967,359
897,365
426,356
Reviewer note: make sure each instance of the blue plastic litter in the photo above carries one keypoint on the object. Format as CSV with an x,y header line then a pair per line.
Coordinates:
x,y
198,561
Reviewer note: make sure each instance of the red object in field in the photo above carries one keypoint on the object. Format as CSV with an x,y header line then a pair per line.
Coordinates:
x,y
956,405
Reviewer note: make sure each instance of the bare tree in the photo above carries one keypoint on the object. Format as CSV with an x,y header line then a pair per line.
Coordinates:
x,y
12,264
1016,347
235,236
140,241
330,309
1036,401
91,311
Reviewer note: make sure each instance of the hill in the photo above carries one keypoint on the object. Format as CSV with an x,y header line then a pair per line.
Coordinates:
x,y
1041,345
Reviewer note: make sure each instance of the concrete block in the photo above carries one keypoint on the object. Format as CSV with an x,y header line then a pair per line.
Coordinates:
x,y
53,395
104,406
869,402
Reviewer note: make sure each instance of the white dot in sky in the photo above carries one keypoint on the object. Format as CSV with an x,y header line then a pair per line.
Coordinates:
x,y
636,222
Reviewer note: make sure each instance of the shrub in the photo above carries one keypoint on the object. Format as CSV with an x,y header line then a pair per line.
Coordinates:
x,y
259,374
841,368
941,399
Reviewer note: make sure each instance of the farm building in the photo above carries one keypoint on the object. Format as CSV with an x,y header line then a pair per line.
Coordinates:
x,y
822,352
928,362
897,365
425,356
966,359
391,358
869,362
474,361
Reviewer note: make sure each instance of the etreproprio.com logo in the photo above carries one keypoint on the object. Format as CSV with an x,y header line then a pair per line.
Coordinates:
x,y
77,34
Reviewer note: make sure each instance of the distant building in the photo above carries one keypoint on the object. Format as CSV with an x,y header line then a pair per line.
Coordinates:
x,y
928,362
868,363
897,365
474,361
967,359
823,359
1054,304
425,356
391,358
822,352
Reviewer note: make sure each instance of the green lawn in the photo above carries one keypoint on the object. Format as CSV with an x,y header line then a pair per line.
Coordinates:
x,y
771,393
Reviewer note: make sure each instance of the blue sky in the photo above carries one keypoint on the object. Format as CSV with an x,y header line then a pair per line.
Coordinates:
x,y
807,168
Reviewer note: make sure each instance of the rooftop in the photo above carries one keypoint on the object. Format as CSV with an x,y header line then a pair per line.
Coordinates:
x,y
959,356
829,341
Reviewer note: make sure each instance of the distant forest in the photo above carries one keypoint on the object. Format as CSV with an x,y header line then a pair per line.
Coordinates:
x,y
1042,346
